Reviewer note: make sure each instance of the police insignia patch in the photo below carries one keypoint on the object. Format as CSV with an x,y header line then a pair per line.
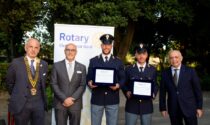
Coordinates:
x,y
107,36
141,45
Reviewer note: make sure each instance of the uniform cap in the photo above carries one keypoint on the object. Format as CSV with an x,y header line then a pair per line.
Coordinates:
x,y
107,39
141,48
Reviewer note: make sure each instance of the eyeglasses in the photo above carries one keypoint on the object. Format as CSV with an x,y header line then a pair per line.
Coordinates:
x,y
70,50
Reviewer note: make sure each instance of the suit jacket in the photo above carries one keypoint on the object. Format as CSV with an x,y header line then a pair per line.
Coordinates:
x,y
63,88
104,95
187,95
18,84
134,105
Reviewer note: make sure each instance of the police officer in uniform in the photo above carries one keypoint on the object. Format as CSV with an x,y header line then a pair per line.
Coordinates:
x,y
105,98
141,70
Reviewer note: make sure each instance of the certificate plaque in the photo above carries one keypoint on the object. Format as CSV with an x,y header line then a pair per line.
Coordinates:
x,y
142,89
104,76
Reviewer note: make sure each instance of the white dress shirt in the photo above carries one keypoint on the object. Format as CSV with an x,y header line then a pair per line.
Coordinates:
x,y
103,56
68,63
29,62
139,65
178,71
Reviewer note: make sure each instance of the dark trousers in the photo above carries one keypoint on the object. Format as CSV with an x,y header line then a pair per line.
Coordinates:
x,y
180,117
61,117
32,112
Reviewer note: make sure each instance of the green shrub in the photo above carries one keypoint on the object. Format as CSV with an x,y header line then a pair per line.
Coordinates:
x,y
3,70
205,82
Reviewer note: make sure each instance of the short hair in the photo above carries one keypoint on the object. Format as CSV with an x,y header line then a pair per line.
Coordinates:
x,y
32,39
177,51
70,44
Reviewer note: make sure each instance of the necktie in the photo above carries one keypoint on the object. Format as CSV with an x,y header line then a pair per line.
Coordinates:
x,y
141,69
71,70
32,68
106,58
175,77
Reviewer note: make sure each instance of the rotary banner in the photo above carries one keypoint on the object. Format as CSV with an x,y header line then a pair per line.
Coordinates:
x,y
86,38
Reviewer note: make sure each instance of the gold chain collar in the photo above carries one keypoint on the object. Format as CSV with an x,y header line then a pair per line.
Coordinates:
x,y
32,80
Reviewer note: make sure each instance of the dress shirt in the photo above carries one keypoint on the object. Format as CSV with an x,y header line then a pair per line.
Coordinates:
x,y
139,65
29,61
103,56
178,71
67,64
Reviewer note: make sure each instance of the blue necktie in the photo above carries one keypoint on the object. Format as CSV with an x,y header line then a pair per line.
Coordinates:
x,y
141,69
106,59
32,68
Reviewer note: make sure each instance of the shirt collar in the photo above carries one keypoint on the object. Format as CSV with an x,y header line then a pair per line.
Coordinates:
x,y
139,65
103,56
29,59
172,68
67,62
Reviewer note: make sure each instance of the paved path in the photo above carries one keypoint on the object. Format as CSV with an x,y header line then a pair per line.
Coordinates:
x,y
157,119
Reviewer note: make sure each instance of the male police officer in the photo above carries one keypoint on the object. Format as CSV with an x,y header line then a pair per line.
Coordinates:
x,y
140,71
105,97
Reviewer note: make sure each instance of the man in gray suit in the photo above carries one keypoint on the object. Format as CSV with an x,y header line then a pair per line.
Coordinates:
x,y
25,80
68,81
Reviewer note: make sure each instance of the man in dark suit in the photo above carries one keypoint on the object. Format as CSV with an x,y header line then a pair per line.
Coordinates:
x,y
25,80
180,84
105,97
68,80
136,107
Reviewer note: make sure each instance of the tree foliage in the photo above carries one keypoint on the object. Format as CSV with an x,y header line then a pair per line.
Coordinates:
x,y
17,17
125,15
158,23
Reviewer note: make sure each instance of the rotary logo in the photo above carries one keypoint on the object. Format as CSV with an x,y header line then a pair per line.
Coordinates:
x,y
96,39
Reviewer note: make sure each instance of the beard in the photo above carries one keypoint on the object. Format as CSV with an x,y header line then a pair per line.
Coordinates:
x,y
106,52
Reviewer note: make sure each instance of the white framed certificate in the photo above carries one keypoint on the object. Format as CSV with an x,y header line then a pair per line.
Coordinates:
x,y
142,88
104,76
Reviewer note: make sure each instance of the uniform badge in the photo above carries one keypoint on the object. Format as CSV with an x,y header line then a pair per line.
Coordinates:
x,y
107,36
141,45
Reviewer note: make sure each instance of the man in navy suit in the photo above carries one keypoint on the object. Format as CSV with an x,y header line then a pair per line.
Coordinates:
x,y
180,84
141,70
105,97
25,80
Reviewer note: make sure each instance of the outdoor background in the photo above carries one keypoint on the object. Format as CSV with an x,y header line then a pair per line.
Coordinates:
x,y
161,24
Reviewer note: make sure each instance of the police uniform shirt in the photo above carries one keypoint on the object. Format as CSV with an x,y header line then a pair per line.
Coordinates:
x,y
103,95
104,57
134,105
139,65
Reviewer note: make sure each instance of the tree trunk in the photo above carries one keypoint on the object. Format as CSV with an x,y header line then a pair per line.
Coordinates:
x,y
123,41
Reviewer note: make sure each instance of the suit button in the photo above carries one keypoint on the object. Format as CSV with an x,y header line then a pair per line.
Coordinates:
x,y
105,93
139,100
177,93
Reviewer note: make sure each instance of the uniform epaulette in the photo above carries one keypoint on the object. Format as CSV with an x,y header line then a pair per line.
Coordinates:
x,y
113,56
117,57
99,56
